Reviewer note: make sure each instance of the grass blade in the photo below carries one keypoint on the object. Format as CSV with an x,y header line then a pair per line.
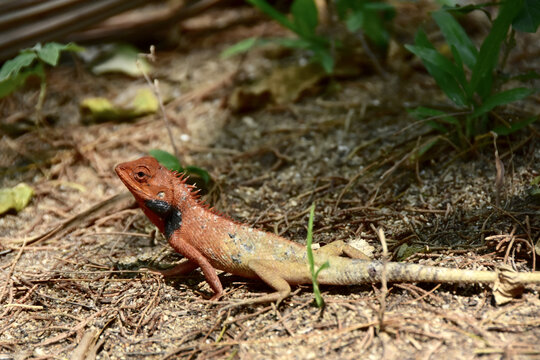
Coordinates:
x,y
482,73
305,17
445,73
502,98
314,274
273,13
457,37
505,130
529,17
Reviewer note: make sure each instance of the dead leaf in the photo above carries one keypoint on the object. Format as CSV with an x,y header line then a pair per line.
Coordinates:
x,y
281,86
506,287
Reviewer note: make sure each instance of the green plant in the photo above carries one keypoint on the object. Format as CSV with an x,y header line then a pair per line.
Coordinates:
x,y
368,16
311,261
470,79
31,62
303,22
304,19
172,163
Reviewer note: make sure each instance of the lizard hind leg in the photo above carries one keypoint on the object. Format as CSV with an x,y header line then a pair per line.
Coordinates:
x,y
269,272
340,248
273,273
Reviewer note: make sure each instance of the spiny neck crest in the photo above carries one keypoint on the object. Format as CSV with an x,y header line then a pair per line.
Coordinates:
x,y
180,179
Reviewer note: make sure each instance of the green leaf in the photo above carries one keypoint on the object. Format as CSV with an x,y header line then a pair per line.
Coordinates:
x,y
381,6
326,265
324,57
435,117
15,198
240,47
166,159
440,61
458,9
529,75
528,19
14,66
266,8
453,84
501,98
405,251
124,59
203,174
458,61
374,28
355,21
295,43
457,37
9,85
505,130
50,52
445,73
305,17
482,73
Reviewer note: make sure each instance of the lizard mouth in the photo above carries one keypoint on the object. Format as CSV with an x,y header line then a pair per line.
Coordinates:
x,y
122,170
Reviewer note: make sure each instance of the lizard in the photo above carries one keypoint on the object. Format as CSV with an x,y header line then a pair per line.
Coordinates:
x,y
213,242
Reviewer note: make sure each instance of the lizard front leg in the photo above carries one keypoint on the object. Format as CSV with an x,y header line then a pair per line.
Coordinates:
x,y
197,259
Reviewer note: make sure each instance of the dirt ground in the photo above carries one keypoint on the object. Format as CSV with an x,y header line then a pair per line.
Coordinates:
x,y
84,292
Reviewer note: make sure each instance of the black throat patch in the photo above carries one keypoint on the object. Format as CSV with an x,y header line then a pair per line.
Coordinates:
x,y
171,216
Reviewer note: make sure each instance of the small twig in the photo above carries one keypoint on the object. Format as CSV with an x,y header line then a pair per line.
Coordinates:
x,y
384,285
77,220
150,304
11,270
528,224
499,179
512,240
155,87
371,55
351,182
420,297
85,345
281,320
72,330
426,120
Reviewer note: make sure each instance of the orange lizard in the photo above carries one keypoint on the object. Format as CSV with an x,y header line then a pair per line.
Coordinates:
x,y
211,241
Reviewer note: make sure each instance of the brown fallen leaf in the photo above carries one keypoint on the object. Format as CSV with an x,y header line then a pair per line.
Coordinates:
x,y
506,287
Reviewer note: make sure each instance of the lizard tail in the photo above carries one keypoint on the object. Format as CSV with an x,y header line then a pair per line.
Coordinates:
x,y
361,271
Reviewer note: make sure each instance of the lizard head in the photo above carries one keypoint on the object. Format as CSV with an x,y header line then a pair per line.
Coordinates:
x,y
152,185
147,179
157,190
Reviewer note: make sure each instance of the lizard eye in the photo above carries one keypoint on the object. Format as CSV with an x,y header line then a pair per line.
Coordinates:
x,y
140,175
